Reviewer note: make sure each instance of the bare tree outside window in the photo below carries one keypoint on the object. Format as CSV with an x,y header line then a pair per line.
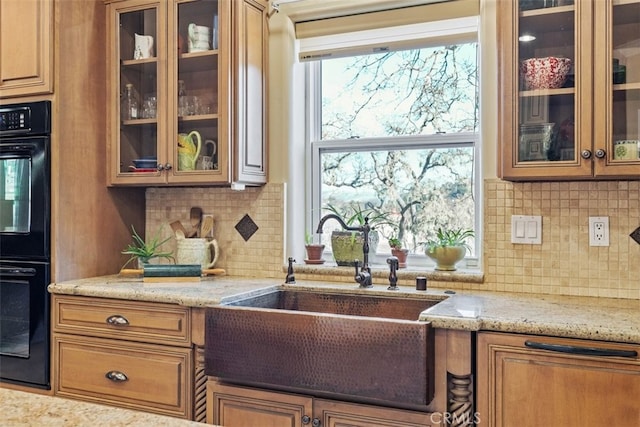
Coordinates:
x,y
387,120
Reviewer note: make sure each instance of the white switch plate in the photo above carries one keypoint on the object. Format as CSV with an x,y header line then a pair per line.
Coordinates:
x,y
598,231
526,229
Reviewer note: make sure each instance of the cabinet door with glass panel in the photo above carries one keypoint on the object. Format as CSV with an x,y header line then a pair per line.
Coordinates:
x,y
545,89
617,88
193,84
137,98
164,88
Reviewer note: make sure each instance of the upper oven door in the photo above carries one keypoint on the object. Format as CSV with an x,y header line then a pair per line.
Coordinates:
x,y
24,197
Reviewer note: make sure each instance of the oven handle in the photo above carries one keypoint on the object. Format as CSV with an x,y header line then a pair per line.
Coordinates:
x,y
17,272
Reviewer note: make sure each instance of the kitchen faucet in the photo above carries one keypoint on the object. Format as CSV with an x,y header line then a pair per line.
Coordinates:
x,y
364,276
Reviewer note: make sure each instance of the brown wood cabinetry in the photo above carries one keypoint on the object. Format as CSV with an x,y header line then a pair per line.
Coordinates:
x,y
233,406
26,48
582,127
137,355
206,77
521,384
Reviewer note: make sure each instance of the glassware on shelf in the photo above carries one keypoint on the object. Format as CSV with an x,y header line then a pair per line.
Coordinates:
x,y
183,100
130,108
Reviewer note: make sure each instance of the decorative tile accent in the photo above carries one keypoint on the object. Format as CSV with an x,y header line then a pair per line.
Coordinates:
x,y
246,227
635,235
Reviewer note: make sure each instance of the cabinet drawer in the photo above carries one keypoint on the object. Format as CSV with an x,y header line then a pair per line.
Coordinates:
x,y
143,376
119,319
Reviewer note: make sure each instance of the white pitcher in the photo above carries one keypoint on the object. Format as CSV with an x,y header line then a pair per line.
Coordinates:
x,y
197,250
143,47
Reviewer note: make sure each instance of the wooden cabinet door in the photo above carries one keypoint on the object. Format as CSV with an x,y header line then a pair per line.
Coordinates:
x,y
232,406
249,118
335,414
523,386
26,47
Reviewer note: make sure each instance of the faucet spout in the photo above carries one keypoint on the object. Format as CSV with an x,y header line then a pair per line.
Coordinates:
x,y
337,218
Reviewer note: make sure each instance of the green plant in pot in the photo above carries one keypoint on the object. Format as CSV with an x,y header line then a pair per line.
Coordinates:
x,y
143,251
398,251
448,248
314,250
347,246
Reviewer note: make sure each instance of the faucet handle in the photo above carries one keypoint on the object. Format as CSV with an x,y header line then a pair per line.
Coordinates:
x,y
393,277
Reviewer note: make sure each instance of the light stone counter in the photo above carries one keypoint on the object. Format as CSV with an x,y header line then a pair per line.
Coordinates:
x,y
19,408
576,317
209,291
606,319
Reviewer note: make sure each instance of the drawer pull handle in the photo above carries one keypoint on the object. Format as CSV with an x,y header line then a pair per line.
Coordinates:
x,y
116,376
117,320
585,351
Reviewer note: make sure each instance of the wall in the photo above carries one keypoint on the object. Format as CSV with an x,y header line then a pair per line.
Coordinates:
x,y
260,256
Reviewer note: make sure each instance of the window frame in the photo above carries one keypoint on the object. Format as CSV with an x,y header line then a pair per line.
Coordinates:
x,y
315,147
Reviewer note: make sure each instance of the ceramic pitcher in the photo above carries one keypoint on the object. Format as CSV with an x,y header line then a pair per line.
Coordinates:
x,y
143,47
188,150
197,250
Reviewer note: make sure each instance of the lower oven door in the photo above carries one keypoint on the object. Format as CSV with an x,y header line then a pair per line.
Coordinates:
x,y
24,323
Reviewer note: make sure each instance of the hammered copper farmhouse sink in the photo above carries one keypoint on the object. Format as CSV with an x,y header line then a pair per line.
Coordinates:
x,y
368,348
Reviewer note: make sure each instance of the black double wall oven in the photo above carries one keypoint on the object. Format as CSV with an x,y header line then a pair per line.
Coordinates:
x,y
25,248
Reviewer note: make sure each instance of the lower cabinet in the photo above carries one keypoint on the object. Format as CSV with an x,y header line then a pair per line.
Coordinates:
x,y
526,380
131,354
236,406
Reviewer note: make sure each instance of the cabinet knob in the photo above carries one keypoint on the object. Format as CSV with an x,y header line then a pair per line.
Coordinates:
x,y
117,320
316,422
168,166
116,376
586,154
306,419
600,153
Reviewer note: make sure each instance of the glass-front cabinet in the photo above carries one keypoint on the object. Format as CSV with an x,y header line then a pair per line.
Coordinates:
x,y
171,79
569,89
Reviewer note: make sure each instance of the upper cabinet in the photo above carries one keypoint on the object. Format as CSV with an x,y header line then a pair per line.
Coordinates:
x,y
26,48
187,92
569,87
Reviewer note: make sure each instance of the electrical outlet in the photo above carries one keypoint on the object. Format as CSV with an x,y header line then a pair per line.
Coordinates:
x,y
598,231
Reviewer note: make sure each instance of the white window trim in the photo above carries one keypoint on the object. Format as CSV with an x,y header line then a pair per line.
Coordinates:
x,y
314,146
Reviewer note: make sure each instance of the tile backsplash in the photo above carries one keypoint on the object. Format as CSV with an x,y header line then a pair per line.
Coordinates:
x,y
260,255
563,264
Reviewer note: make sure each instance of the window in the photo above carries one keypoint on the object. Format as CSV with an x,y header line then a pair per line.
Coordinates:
x,y
395,132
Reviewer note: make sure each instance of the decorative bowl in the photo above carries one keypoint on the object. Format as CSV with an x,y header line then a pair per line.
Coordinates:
x,y
545,73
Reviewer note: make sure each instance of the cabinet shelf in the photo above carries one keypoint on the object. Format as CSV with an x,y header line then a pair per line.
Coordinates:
x,y
138,122
544,92
198,61
139,62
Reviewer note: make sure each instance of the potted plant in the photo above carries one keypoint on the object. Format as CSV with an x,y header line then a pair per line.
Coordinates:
x,y
145,251
448,248
314,251
398,252
347,246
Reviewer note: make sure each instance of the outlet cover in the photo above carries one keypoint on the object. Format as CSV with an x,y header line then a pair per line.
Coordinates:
x,y
598,231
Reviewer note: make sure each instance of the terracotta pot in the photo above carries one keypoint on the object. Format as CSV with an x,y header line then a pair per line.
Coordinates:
x,y
401,254
314,253
446,257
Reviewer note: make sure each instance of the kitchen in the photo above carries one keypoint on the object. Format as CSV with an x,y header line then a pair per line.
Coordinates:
x,y
80,251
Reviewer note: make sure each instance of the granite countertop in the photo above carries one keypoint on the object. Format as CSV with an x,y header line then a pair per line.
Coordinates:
x,y
19,408
604,319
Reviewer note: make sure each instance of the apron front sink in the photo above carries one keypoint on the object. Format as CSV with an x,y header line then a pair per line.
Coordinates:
x,y
367,348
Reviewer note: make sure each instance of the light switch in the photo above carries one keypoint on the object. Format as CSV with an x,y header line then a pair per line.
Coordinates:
x,y
526,229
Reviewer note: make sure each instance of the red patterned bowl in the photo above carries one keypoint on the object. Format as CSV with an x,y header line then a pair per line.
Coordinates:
x,y
545,73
